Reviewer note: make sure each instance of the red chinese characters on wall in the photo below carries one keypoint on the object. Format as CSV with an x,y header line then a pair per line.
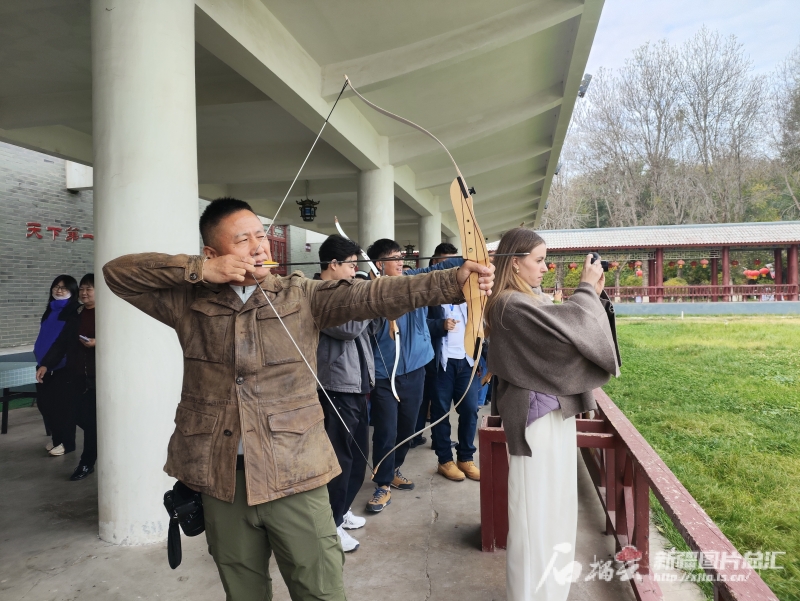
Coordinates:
x,y
72,234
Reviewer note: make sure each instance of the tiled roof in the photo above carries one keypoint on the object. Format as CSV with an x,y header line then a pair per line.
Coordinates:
x,y
674,236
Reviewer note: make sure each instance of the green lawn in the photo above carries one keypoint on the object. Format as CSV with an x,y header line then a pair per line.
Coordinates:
x,y
719,399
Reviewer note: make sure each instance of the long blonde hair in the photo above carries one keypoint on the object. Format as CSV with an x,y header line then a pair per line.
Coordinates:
x,y
518,240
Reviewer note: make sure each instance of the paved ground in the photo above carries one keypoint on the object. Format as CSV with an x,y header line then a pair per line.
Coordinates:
x,y
426,545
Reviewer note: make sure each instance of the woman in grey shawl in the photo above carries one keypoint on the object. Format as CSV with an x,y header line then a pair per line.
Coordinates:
x,y
547,359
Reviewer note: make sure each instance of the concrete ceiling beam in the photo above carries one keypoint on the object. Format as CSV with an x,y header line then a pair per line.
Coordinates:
x,y
500,192
441,177
392,66
56,140
405,147
39,110
245,35
504,223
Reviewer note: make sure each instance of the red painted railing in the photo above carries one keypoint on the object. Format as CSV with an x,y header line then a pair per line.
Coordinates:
x,y
624,469
746,292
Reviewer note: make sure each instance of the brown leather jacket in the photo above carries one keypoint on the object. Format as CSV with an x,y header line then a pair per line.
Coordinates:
x,y
242,375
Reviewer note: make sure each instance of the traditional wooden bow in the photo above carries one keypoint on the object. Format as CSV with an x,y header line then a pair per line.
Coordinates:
x,y
473,248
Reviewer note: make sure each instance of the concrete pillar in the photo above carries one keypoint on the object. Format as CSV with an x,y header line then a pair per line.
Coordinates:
x,y
145,199
455,241
375,205
430,233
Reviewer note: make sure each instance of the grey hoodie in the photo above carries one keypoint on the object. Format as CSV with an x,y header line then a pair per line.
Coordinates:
x,y
338,365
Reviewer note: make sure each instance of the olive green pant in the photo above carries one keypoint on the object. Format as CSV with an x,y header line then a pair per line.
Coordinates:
x,y
299,529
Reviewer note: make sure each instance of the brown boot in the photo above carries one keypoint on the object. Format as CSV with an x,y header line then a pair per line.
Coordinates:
x,y
450,471
470,470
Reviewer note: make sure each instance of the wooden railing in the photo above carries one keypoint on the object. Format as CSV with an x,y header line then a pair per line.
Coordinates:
x,y
703,293
624,469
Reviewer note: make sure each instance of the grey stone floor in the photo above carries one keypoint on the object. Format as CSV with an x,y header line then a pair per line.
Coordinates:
x,y
426,545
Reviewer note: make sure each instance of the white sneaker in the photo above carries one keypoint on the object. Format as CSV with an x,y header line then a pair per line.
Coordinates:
x,y
352,522
49,446
56,451
349,544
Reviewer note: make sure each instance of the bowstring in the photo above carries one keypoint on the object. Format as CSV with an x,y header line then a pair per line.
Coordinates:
x,y
471,211
288,333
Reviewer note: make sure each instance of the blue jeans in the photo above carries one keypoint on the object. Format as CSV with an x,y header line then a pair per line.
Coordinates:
x,y
451,384
393,421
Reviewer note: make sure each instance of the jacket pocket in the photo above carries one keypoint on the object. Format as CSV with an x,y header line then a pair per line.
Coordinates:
x,y
190,445
210,323
300,447
270,330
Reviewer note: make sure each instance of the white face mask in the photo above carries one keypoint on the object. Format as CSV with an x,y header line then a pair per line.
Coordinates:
x,y
61,295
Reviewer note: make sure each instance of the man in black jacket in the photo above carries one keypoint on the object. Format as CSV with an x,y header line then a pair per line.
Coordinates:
x,y
346,370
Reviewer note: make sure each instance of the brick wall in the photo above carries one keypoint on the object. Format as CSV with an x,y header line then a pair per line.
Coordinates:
x,y
32,189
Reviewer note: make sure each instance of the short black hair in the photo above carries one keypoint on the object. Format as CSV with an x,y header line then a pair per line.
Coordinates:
x,y
216,212
336,248
445,248
87,279
382,248
69,283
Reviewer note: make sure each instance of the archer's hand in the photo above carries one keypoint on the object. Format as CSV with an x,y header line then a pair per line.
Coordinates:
x,y
40,374
593,274
485,275
228,268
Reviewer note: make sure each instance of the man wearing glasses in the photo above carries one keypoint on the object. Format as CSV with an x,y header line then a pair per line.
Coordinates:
x,y
393,421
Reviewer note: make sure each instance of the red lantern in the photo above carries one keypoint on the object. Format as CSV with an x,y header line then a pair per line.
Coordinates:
x,y
552,266
614,264
763,271
735,263
573,265
757,261
630,264
704,263
639,273
638,263
693,263
672,263
681,262
751,274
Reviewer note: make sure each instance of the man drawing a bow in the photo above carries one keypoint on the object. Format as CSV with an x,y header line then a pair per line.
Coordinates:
x,y
249,429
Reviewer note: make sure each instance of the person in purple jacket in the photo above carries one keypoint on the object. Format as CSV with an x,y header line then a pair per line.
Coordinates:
x,y
52,391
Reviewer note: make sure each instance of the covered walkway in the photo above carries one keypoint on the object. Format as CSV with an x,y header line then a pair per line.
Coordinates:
x,y
426,545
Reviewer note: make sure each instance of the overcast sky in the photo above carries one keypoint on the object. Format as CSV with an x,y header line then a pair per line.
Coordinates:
x,y
768,29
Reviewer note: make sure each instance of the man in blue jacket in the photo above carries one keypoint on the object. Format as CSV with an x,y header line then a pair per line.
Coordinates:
x,y
393,421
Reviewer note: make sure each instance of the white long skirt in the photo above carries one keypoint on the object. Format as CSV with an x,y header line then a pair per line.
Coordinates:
x,y
543,513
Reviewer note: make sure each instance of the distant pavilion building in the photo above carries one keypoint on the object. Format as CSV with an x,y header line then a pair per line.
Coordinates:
x,y
653,245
